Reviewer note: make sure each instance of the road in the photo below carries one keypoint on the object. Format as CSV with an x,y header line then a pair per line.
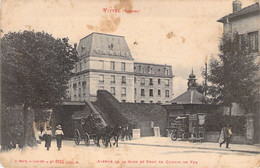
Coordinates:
x,y
144,152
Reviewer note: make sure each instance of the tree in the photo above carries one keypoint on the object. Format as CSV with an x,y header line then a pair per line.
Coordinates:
x,y
36,68
233,73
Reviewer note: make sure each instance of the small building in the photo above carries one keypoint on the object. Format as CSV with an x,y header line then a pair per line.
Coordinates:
x,y
193,104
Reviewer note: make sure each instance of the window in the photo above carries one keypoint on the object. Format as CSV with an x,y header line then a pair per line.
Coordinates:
x,y
112,65
75,89
80,67
142,81
141,68
167,82
79,92
123,79
253,41
101,78
135,91
159,81
151,92
113,79
122,66
167,93
166,71
151,101
113,91
142,101
135,79
123,91
150,70
84,88
151,81
101,63
159,92
142,92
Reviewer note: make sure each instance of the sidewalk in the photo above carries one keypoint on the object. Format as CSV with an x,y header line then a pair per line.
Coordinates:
x,y
167,142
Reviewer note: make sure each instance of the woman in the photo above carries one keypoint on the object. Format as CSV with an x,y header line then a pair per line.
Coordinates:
x,y
47,138
59,134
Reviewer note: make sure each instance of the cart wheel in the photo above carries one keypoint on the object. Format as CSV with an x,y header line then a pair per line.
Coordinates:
x,y
174,136
185,135
87,140
76,137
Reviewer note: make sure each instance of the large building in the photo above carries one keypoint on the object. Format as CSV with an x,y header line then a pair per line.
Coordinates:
x,y
246,21
106,63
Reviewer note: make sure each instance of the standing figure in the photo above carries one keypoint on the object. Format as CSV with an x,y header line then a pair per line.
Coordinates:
x,y
59,133
41,129
225,136
123,131
128,133
47,137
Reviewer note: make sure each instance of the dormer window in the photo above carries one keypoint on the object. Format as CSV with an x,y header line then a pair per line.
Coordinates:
x,y
83,48
166,71
150,69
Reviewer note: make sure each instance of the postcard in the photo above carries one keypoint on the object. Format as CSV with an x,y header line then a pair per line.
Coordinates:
x,y
127,83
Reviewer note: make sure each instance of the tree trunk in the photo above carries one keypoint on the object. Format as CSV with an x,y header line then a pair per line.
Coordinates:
x,y
25,125
230,109
28,134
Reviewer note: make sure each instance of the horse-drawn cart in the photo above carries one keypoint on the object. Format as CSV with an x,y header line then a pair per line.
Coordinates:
x,y
86,127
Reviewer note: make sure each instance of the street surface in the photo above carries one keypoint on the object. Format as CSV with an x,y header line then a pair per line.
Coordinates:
x,y
144,152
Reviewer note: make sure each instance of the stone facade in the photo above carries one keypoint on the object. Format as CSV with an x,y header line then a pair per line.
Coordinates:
x,y
106,63
153,83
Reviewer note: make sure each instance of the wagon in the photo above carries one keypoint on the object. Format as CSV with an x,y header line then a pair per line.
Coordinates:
x,y
86,128
180,128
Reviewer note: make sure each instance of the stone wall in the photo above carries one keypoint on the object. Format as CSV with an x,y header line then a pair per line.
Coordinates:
x,y
139,113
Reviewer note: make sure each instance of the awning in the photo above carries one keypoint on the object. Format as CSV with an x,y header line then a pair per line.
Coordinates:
x,y
179,118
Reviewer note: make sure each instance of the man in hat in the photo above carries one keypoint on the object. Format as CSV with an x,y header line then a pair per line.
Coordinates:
x,y
59,133
47,137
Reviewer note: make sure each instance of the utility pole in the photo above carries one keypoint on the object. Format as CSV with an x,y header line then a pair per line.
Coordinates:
x,y
206,76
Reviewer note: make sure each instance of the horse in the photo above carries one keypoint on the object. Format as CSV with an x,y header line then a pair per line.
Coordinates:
x,y
114,133
106,134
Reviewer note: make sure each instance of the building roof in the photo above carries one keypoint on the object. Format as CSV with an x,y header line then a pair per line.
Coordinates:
x,y
104,45
143,69
242,12
191,96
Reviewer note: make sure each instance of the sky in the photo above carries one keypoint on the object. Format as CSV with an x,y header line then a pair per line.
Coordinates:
x,y
180,33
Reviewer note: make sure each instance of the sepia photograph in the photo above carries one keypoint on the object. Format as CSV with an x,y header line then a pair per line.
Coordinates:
x,y
128,83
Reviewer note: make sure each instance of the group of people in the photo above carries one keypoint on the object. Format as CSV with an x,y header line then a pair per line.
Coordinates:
x,y
126,133
48,137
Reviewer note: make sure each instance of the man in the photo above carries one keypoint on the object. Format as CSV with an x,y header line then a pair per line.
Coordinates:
x,y
47,137
226,134
59,134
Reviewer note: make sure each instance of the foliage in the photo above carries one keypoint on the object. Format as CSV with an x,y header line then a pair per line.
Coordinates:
x,y
35,71
233,74
35,68
42,115
12,126
216,121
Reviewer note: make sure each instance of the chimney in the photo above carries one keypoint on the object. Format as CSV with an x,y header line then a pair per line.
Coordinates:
x,y
237,5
